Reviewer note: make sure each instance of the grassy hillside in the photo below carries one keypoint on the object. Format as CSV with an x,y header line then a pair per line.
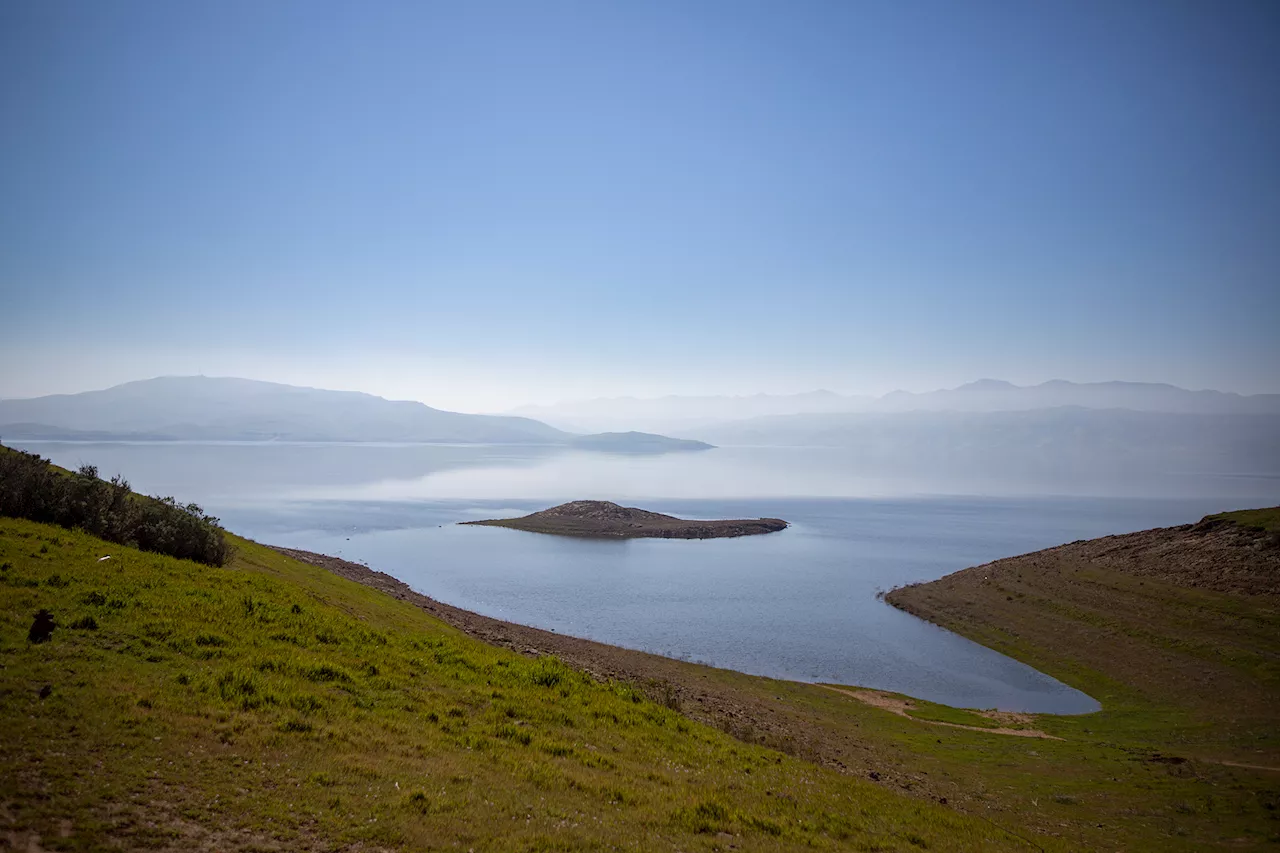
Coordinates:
x,y
1177,633
269,704
1122,779
1262,519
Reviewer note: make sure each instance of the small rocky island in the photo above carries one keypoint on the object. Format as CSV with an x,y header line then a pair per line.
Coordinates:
x,y
606,520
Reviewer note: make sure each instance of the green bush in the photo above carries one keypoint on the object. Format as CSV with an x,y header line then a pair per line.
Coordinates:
x,y
33,489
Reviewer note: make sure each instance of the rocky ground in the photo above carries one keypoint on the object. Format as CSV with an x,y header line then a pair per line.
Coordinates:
x,y
1213,554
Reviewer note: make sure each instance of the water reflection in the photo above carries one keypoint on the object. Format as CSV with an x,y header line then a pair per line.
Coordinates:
x,y
797,604
391,472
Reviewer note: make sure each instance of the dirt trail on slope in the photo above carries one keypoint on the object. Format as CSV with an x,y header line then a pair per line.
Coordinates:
x,y
1248,766
1184,617
900,706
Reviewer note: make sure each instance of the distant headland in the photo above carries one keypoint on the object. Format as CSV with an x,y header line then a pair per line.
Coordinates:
x,y
607,520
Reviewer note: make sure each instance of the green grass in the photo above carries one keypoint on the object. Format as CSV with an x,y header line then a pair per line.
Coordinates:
x,y
270,704
922,710
1262,519
1134,776
1188,679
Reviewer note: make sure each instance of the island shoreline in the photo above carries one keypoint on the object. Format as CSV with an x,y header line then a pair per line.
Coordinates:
x,y
588,519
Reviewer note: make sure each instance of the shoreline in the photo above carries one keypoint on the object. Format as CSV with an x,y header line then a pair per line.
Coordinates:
x,y
731,701
1185,704
599,660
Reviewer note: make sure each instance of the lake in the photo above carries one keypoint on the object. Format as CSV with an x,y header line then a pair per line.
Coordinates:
x,y
800,604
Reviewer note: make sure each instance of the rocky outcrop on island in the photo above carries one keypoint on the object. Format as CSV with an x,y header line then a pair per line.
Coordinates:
x,y
607,520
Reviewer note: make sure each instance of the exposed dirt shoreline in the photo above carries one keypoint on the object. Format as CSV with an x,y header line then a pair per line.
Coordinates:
x,y
1181,615
900,706
702,693
1171,626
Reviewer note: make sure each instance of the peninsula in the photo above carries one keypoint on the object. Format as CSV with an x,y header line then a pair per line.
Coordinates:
x,y
607,520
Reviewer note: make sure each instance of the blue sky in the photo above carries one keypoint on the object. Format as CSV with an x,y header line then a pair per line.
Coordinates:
x,y
483,204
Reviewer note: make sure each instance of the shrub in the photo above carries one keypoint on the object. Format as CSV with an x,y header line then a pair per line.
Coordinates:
x,y
33,489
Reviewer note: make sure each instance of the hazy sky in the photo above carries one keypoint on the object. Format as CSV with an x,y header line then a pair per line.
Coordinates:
x,y
482,204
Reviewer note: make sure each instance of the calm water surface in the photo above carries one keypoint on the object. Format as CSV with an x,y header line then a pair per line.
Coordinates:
x,y
798,604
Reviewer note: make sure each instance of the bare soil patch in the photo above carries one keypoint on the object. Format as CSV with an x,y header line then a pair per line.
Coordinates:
x,y
900,705
604,519
1213,554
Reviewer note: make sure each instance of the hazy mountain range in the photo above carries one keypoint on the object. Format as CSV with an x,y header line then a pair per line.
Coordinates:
x,y
1056,433
1048,443
687,415
1053,431
198,408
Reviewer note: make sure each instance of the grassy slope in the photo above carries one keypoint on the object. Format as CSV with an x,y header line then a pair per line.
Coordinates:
x,y
1188,679
1116,780
1263,519
271,704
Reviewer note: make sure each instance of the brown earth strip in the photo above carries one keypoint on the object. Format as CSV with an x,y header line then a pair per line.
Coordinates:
x,y
1131,777
1249,766
1183,617
900,705
730,701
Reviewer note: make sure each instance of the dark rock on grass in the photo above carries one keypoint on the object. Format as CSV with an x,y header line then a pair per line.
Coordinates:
x,y
41,628
46,691
604,519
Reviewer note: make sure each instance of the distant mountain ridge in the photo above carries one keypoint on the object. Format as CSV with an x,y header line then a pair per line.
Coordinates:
x,y
1060,445
685,414
216,408
197,408
994,395
681,412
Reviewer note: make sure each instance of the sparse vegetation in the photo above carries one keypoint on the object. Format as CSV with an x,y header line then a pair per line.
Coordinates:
x,y
944,714
1186,751
1260,519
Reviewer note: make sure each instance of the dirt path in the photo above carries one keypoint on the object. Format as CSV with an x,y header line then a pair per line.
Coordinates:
x,y
900,706
1247,766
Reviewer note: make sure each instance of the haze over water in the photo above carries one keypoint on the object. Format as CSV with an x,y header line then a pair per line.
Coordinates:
x,y
799,604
